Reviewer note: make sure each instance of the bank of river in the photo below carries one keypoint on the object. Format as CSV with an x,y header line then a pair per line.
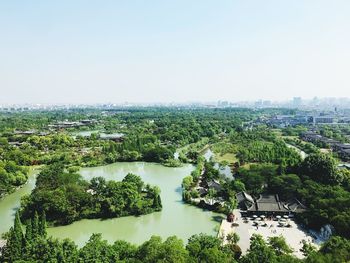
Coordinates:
x,y
176,218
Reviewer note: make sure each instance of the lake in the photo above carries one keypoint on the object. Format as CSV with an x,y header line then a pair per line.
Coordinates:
x,y
176,218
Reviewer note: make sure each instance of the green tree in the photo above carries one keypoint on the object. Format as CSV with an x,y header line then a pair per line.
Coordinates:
x,y
35,225
279,245
198,243
233,238
15,241
97,250
210,196
307,248
215,255
135,180
286,186
69,251
187,182
29,231
173,251
42,225
321,168
259,251
150,250
124,249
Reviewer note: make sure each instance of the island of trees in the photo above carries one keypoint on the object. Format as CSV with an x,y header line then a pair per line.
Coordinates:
x,y
65,197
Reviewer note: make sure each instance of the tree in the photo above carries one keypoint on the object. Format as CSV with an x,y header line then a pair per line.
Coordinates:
x,y
307,248
198,243
69,251
336,245
157,202
97,250
124,249
321,168
98,184
285,186
259,251
29,231
233,238
187,182
237,185
173,251
279,245
35,225
42,225
215,255
15,241
210,196
149,251
135,180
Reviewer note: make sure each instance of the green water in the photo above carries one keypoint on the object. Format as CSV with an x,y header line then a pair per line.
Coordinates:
x,y
176,218
10,203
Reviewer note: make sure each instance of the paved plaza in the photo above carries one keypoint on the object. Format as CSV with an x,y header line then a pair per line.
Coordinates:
x,y
293,234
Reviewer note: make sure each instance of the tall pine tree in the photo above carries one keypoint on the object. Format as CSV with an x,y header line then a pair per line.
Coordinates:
x,y
18,231
29,231
35,225
15,241
42,225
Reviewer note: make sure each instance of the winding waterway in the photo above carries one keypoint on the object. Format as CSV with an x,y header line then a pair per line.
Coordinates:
x,y
10,203
176,218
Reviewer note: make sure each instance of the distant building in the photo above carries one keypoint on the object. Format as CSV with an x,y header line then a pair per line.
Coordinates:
x,y
288,120
28,133
343,149
16,144
71,124
344,154
117,137
324,119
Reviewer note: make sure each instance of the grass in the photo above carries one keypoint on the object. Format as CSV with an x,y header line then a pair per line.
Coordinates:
x,y
198,146
224,152
227,157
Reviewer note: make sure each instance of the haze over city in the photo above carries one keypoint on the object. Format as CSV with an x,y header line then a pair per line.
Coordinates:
x,y
117,51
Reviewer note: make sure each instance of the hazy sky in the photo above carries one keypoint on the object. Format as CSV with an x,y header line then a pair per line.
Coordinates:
x,y
173,50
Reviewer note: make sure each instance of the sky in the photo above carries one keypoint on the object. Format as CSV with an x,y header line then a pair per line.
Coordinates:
x,y
72,51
